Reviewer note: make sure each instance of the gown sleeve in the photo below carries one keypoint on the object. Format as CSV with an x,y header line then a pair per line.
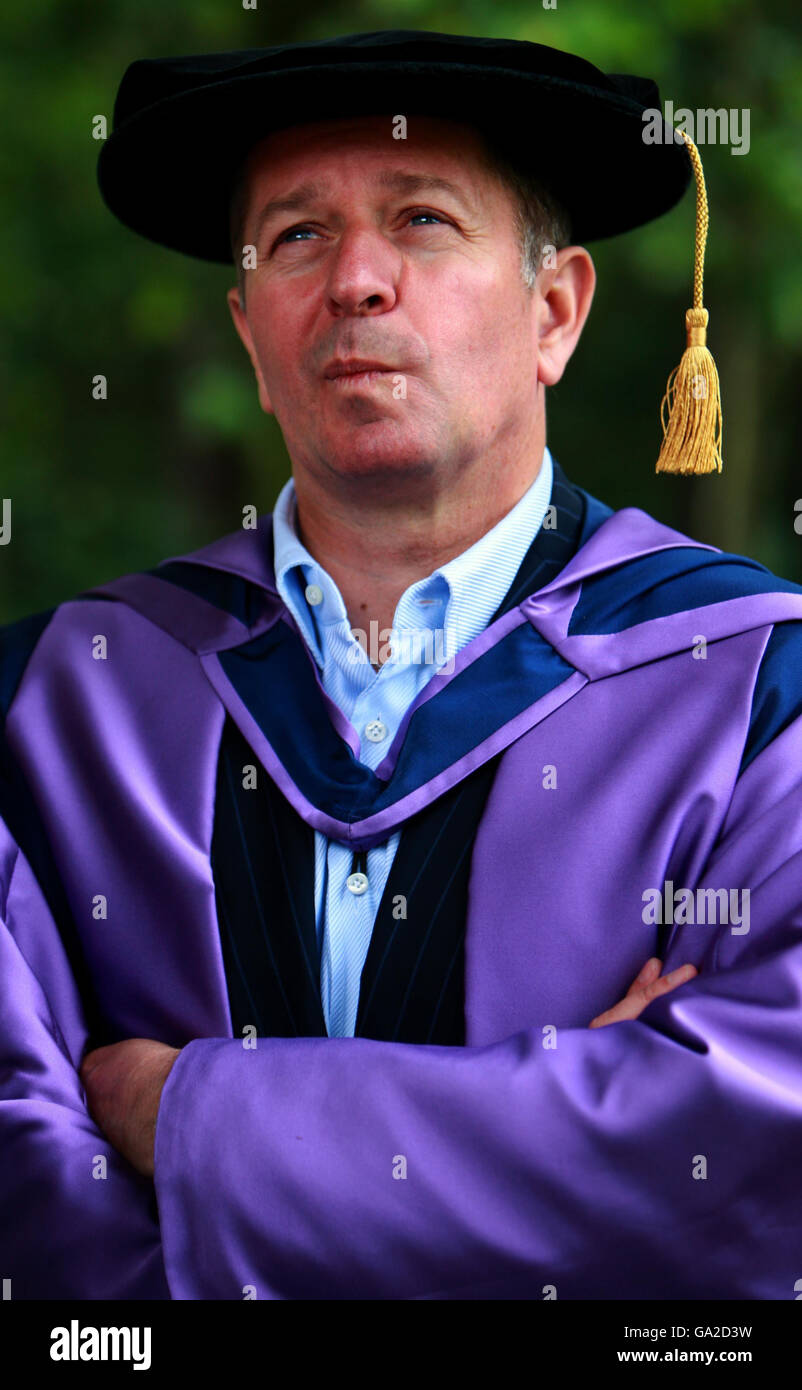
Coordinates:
x,y
656,1158
76,1220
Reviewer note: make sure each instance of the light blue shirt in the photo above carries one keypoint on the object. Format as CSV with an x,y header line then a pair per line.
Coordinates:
x,y
434,619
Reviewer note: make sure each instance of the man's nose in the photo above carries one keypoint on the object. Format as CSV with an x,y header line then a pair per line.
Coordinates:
x,y
364,273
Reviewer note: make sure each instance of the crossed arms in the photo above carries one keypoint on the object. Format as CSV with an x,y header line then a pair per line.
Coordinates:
x,y
655,1159
124,1081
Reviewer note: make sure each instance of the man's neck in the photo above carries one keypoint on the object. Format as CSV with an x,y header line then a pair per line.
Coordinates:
x,y
376,550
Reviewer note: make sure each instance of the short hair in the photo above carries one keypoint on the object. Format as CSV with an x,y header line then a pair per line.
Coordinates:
x,y
541,221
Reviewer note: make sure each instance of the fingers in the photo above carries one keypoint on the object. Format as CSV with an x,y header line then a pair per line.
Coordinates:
x,y
640,994
648,975
670,981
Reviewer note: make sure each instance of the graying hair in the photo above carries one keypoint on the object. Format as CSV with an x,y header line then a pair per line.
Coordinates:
x,y
540,219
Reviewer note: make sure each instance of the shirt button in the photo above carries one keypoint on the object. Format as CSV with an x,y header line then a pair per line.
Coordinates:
x,y
356,883
313,594
375,731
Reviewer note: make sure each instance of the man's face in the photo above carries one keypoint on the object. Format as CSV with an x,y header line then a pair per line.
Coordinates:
x,y
372,264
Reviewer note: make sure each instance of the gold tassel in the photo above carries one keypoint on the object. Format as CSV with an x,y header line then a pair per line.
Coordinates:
x,y
691,407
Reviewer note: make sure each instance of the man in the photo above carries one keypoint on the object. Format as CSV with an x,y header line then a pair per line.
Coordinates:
x,y
321,932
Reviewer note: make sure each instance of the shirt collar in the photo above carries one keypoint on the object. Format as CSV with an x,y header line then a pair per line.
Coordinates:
x,y
460,595
479,578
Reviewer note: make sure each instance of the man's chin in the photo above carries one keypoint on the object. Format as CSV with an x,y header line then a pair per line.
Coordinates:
x,y
379,450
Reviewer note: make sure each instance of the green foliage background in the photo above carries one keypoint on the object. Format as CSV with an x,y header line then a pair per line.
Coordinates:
x,y
167,462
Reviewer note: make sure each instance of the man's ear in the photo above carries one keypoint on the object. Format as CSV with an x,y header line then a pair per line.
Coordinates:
x,y
565,297
243,328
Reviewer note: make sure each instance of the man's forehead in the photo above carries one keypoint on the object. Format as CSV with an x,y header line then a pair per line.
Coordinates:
x,y
441,141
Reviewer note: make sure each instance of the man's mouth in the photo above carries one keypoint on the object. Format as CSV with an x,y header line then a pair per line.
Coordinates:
x,y
356,369
350,380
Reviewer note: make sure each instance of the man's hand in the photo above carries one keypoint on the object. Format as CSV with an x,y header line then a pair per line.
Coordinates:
x,y
643,990
123,1084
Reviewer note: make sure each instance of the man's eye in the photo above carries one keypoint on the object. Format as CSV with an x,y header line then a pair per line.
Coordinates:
x,y
435,215
296,231
291,231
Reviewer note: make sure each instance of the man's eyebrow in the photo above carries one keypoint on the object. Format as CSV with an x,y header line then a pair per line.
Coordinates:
x,y
400,182
394,179
300,197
